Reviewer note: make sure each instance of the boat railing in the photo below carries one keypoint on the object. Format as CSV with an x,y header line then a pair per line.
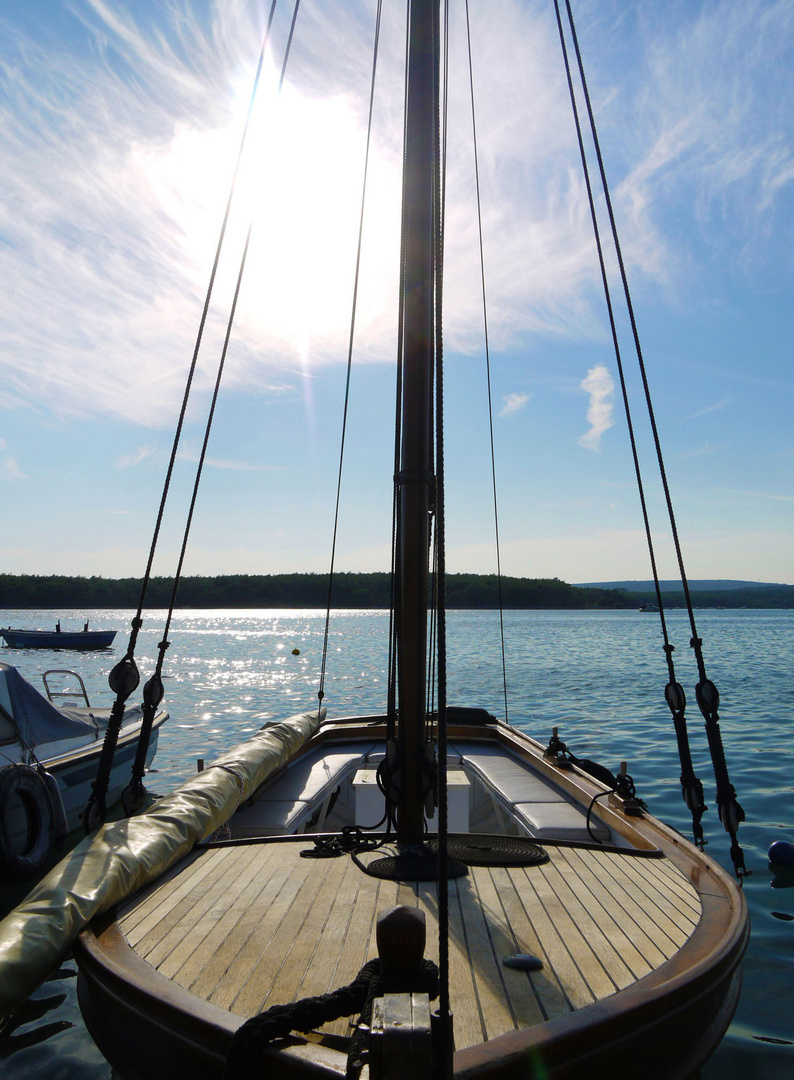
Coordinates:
x,y
52,694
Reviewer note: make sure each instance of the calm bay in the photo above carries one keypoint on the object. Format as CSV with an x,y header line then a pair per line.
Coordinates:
x,y
598,676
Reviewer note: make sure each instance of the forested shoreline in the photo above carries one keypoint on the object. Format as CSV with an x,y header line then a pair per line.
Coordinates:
x,y
353,591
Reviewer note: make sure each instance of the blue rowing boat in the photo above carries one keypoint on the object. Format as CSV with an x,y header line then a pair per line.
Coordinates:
x,y
58,639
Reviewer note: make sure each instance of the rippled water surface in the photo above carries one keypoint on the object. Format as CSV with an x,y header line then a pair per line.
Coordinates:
x,y
598,676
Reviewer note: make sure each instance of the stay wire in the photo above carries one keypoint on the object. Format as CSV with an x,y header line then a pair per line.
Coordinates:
x,y
124,678
692,788
324,662
395,614
154,690
633,322
430,682
487,364
730,812
205,309
222,362
444,1057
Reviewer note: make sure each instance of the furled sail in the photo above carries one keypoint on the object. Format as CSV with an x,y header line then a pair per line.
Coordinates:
x,y
123,856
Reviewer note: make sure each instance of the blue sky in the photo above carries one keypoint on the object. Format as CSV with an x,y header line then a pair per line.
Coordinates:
x,y
119,124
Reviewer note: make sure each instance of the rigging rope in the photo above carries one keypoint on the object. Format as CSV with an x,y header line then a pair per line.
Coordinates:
x,y
392,768
153,692
730,812
324,662
134,794
125,677
389,772
444,1055
487,364
691,786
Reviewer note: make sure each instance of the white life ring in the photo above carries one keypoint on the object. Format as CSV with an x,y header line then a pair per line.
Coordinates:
x,y
24,783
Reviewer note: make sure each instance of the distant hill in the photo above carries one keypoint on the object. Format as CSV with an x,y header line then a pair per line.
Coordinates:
x,y
702,585
704,593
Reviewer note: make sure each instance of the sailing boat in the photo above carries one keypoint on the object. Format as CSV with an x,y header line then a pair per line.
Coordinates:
x,y
572,932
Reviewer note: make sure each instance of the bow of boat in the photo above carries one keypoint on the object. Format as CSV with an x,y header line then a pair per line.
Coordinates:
x,y
639,934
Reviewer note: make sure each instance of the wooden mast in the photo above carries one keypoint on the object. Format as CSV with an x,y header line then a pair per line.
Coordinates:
x,y
416,459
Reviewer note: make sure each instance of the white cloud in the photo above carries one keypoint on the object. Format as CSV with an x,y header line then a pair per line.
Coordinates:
x,y
599,385
113,184
513,403
114,192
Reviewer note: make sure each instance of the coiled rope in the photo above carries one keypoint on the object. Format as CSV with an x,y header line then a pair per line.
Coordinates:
x,y
243,1057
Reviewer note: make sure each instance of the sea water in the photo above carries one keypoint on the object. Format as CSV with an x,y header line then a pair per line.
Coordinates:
x,y
598,676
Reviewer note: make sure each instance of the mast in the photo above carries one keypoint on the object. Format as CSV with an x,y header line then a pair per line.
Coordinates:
x,y
416,478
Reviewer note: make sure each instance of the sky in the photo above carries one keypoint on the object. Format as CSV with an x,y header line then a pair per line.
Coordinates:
x,y
120,124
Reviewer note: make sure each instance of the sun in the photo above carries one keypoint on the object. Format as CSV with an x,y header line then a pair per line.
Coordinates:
x,y
299,190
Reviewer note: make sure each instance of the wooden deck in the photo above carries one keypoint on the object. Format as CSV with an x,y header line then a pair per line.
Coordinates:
x,y
254,925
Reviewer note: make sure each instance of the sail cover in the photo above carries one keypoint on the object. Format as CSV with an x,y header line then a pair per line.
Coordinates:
x,y
123,856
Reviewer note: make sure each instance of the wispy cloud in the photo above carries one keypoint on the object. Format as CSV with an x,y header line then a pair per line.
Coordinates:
x,y
116,163
139,454
703,451
241,466
709,409
599,385
8,466
117,156
714,118
219,463
11,470
774,497
513,403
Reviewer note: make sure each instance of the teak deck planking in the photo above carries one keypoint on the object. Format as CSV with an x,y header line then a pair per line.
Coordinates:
x,y
249,926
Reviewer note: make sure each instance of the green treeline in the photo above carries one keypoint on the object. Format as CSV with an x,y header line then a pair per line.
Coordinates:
x,y
349,591
288,591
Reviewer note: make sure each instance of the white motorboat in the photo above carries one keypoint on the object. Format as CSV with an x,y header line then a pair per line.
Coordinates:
x,y
51,754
